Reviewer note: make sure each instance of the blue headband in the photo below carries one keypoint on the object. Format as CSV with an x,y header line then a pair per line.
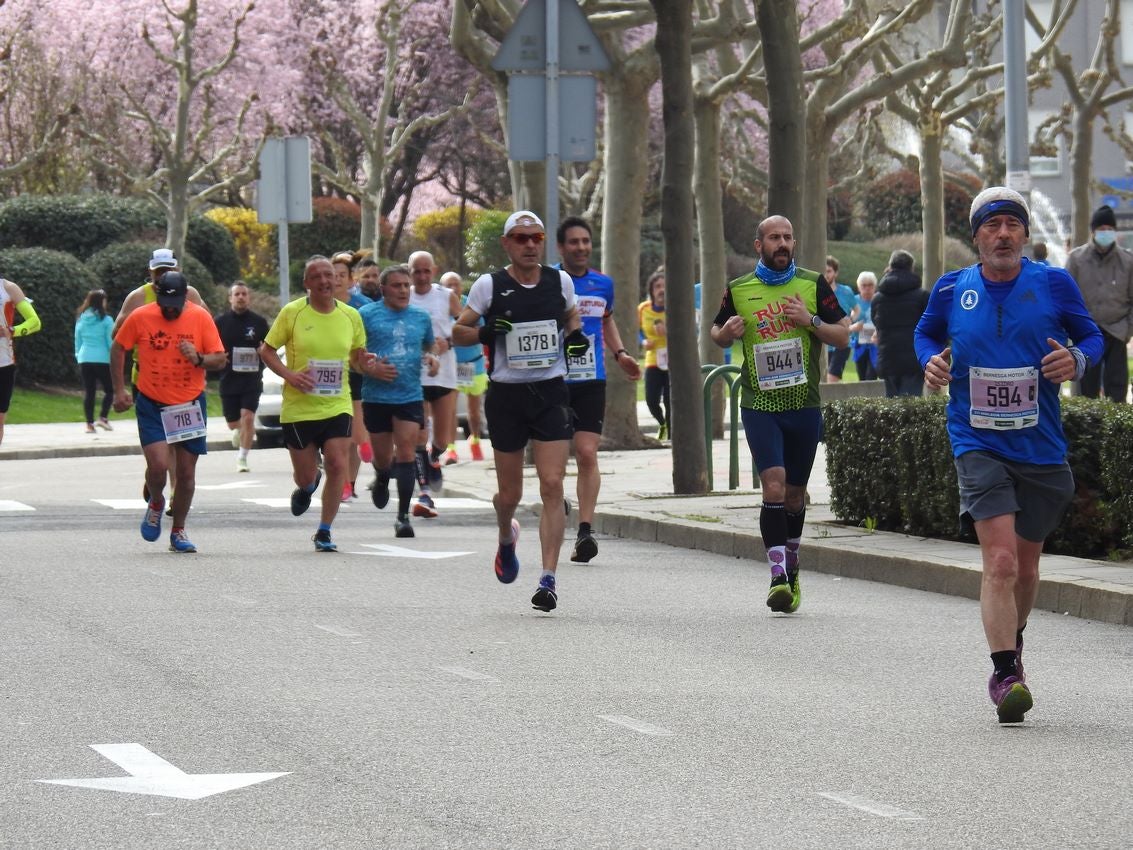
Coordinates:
x,y
1001,207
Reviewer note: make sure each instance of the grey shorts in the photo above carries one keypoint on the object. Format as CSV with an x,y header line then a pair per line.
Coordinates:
x,y
991,486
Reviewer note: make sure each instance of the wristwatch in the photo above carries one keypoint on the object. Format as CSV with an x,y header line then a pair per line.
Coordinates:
x,y
815,321
620,352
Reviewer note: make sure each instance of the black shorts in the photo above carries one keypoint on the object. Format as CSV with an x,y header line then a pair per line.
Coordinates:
x,y
539,410
299,435
434,393
7,385
378,417
588,401
355,385
837,363
232,404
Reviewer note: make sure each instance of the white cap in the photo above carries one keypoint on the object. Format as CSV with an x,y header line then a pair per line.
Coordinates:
x,y
522,218
163,259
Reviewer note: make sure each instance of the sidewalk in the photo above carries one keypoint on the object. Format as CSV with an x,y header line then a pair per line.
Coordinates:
x,y
637,502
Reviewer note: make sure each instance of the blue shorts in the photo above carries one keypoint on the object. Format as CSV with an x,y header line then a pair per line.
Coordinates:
x,y
788,439
150,429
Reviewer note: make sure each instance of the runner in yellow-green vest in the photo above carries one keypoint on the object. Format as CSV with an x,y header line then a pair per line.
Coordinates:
x,y
783,315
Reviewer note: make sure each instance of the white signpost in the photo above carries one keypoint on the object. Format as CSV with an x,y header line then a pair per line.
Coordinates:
x,y
551,117
153,775
283,194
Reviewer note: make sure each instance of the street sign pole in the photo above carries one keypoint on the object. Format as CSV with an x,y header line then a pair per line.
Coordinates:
x,y
284,195
551,210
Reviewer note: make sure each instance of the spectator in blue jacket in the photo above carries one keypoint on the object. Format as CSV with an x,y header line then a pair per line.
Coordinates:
x,y
92,351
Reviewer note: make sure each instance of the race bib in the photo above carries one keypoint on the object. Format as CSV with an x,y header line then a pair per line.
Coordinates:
x,y
779,364
584,368
465,374
533,345
245,360
1004,399
327,375
663,358
183,421
867,333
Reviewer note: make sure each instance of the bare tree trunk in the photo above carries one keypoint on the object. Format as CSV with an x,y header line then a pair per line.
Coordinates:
x,y
1081,160
627,111
674,47
786,107
932,196
713,249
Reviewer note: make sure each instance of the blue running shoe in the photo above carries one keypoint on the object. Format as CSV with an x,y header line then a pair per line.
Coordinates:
x,y
180,542
545,598
301,499
323,543
507,564
151,522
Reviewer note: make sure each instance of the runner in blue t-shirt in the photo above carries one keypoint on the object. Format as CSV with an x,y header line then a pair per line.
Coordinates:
x,y
401,336
586,375
996,334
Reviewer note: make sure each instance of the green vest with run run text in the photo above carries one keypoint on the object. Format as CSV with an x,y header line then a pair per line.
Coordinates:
x,y
767,330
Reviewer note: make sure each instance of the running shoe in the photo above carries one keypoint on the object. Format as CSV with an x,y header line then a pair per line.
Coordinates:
x,y
151,522
242,464
545,598
323,543
1012,698
379,492
475,450
507,564
451,457
366,453
402,528
104,424
90,429
301,499
347,492
779,597
436,477
424,507
796,589
180,542
585,548
234,436
663,431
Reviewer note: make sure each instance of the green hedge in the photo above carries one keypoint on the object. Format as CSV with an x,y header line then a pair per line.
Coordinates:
x,y
123,266
56,283
889,462
83,225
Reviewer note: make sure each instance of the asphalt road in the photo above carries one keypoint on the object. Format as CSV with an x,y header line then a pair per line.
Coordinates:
x,y
416,702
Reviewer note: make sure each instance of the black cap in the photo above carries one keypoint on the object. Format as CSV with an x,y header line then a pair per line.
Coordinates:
x,y
171,289
1103,216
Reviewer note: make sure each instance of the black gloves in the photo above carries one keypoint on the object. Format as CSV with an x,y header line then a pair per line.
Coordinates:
x,y
489,330
576,343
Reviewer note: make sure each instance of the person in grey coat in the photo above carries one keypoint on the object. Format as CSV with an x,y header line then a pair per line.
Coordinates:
x,y
897,308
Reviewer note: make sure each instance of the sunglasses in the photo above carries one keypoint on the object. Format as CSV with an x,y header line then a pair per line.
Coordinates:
x,y
524,238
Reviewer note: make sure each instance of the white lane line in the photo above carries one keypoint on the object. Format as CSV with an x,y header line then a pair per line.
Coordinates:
x,y
387,551
472,675
122,504
338,632
635,724
277,503
159,573
239,600
12,505
233,485
871,807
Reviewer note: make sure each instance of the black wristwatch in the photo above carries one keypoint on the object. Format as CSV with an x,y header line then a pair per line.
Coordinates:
x,y
200,359
619,353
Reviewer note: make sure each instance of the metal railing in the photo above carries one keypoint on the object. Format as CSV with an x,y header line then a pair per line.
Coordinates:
x,y
731,374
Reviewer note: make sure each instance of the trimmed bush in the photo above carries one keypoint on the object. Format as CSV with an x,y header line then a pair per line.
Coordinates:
x,y
122,267
252,241
213,246
890,466
440,232
482,250
336,227
78,224
893,204
56,283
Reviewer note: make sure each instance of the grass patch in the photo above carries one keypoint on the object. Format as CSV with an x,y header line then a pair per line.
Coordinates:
x,y
41,406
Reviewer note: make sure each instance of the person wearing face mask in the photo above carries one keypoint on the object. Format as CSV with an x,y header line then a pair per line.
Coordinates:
x,y
1104,272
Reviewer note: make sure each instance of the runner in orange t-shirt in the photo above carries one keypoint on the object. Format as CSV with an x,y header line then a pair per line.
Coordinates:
x,y
176,342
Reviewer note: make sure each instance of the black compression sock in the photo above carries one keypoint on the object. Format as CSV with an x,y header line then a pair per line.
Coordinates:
x,y
1004,662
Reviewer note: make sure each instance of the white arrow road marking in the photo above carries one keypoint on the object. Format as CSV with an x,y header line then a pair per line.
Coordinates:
x,y
151,774
278,503
635,724
11,505
882,810
233,485
465,673
386,551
